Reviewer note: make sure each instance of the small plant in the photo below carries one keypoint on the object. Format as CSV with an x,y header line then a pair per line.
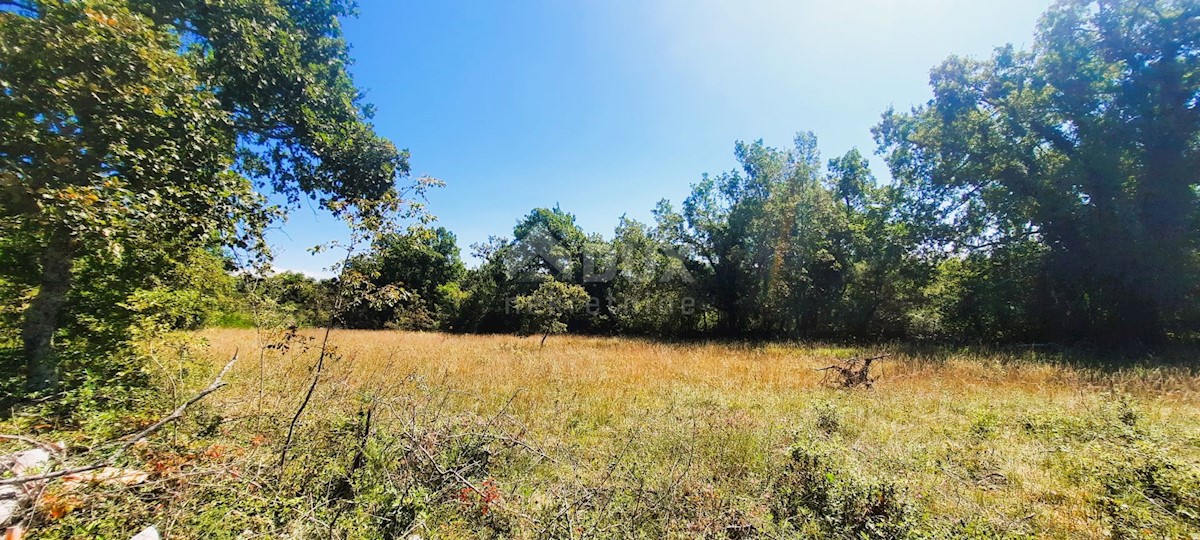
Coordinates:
x,y
984,426
817,497
828,419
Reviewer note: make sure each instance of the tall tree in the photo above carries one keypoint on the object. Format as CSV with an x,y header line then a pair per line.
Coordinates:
x,y
1089,144
763,238
123,121
548,243
419,262
652,292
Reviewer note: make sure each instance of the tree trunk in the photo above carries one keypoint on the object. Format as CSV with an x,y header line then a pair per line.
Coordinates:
x,y
41,317
544,336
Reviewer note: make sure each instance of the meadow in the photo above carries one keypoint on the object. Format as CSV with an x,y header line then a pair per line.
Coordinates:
x,y
446,436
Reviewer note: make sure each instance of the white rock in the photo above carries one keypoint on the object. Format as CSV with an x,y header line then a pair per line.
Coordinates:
x,y
23,461
151,533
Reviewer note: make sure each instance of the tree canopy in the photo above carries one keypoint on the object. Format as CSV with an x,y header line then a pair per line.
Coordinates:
x,y
545,309
1085,145
1040,195
1048,194
141,125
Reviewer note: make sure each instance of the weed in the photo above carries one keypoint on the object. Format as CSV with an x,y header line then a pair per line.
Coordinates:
x,y
814,495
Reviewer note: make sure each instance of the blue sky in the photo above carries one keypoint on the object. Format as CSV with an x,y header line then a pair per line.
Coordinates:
x,y
607,106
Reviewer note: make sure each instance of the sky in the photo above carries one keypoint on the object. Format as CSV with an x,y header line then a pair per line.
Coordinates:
x,y
604,107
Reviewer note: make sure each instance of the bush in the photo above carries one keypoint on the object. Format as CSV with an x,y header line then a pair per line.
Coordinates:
x,y
1150,493
818,499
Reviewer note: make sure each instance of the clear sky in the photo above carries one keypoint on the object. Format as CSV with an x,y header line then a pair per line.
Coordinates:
x,y
607,106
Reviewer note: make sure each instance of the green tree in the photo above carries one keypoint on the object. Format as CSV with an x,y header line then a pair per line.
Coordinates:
x,y
283,299
1089,145
546,310
549,243
420,262
879,249
136,124
765,239
483,298
653,292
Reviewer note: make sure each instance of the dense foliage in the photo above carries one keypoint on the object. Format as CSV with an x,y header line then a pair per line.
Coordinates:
x,y
1041,195
1071,168
133,133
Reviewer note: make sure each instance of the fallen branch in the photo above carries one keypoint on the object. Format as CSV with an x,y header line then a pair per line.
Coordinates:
x,y
54,448
854,372
217,384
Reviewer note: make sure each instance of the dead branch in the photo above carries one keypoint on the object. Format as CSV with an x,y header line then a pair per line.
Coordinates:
x,y
312,387
852,373
216,384
53,448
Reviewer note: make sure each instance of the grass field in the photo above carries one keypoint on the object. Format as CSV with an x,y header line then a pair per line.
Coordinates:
x,y
491,436
626,438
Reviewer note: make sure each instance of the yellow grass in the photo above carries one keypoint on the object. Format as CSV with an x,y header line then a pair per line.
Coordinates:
x,y
1016,443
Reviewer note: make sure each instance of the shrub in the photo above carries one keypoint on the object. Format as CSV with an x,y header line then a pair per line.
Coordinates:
x,y
819,499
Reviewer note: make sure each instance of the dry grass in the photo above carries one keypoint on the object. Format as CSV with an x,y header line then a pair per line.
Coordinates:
x,y
979,444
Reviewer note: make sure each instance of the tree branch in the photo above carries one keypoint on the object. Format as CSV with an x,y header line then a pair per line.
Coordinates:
x,y
217,384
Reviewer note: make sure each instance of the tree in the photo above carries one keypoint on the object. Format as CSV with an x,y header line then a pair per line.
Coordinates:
x,y
765,239
652,292
548,243
1089,145
878,244
483,298
545,310
126,123
420,262
285,299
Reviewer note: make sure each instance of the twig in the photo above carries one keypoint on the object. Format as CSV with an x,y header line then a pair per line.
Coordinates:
x,y
217,384
52,475
312,387
49,447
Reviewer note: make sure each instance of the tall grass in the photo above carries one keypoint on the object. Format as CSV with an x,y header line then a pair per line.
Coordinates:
x,y
445,436
996,444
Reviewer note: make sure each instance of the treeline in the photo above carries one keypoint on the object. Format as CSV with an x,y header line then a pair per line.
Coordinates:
x,y
787,246
1042,195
